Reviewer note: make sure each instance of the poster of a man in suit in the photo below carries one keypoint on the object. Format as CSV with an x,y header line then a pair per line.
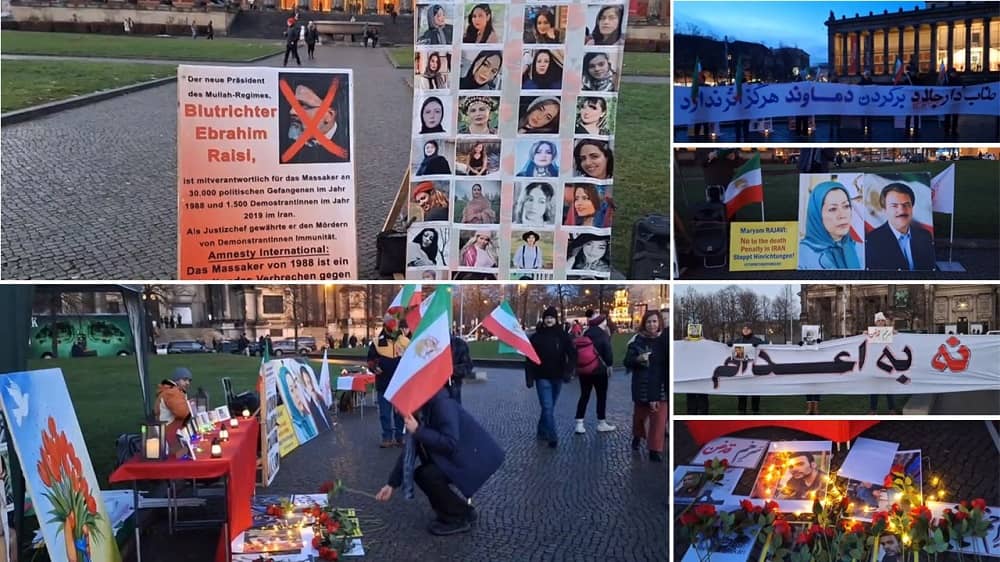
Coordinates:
x,y
323,122
899,210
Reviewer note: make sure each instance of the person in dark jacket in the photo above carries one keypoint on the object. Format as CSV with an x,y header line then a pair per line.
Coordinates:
x,y
747,337
292,41
461,362
647,358
454,450
557,353
866,120
720,165
595,376
383,357
312,35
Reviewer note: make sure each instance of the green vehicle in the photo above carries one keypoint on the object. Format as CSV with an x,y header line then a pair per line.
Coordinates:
x,y
82,335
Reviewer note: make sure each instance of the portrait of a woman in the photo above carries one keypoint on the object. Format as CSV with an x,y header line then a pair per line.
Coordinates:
x,y
534,205
588,207
433,162
298,408
529,254
317,406
544,72
594,159
592,117
541,161
479,113
589,252
480,26
827,243
478,209
438,32
484,72
480,251
598,73
432,116
427,250
434,76
543,28
478,161
540,117
608,27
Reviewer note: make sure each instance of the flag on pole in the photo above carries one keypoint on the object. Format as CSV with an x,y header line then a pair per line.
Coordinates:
x,y
897,74
696,79
406,305
324,381
747,187
739,78
426,364
943,191
505,326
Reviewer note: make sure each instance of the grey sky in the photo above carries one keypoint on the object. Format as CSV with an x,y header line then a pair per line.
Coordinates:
x,y
769,290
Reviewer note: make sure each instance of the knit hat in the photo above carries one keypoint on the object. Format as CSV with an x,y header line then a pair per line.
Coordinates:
x,y
596,320
880,316
181,373
550,311
423,187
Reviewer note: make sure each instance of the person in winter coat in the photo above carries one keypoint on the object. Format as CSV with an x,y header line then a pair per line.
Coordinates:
x,y
646,357
747,337
312,36
557,353
461,362
594,358
383,358
172,406
455,453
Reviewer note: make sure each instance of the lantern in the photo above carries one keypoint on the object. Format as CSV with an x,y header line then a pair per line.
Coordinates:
x,y
216,448
154,442
246,413
224,434
234,423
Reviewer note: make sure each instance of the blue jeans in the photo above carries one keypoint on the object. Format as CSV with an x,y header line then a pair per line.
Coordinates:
x,y
386,416
548,394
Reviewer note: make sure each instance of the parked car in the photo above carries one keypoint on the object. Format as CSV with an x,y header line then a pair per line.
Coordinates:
x,y
307,344
187,346
917,158
286,347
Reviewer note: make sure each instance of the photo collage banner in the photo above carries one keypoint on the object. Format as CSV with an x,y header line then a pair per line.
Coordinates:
x,y
512,162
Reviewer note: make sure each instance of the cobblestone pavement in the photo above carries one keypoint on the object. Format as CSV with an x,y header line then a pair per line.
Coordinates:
x,y
961,453
91,192
590,499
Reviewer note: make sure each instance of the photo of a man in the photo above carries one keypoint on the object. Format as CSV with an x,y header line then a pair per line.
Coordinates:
x,y
889,548
314,118
802,477
690,485
901,243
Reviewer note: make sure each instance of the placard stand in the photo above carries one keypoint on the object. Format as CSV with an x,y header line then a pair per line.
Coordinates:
x,y
390,250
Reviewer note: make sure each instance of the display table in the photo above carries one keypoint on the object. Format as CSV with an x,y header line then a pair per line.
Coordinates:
x,y
838,431
358,386
237,467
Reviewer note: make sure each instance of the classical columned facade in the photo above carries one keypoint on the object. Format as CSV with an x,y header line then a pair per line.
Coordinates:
x,y
963,35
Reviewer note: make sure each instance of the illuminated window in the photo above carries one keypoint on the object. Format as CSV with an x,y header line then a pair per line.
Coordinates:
x,y
976,46
878,54
925,54
942,45
958,48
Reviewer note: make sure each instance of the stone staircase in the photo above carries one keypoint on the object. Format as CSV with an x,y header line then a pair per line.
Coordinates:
x,y
271,24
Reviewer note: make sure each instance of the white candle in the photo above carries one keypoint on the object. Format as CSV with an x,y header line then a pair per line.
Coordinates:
x,y
153,448
233,422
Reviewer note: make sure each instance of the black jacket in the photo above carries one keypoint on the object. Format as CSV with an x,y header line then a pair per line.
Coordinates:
x,y
461,360
602,343
882,250
753,340
556,351
649,382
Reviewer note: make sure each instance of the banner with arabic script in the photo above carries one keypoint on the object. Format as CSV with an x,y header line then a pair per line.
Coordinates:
x,y
808,98
911,364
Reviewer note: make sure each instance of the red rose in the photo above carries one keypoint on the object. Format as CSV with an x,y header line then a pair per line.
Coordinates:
x,y
880,516
335,525
961,516
332,555
758,510
964,504
803,538
323,551
316,541
708,464
704,510
770,507
324,517
888,483
724,463
943,523
688,518
746,505
979,503
947,511
783,528
896,509
896,469
325,487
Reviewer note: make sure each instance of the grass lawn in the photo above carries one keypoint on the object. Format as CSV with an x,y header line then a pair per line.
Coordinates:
x,y
173,48
794,405
976,195
647,64
32,82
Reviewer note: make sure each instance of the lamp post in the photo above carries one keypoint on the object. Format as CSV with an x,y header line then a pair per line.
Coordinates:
x,y
151,299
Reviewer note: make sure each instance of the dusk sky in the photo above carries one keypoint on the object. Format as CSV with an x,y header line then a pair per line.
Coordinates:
x,y
709,288
794,24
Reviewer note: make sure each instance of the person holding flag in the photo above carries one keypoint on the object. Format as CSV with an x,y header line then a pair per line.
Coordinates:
x,y
554,347
461,366
384,355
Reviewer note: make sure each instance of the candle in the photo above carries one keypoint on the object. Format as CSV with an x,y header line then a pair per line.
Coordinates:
x,y
153,448
246,413
216,451
224,434
233,422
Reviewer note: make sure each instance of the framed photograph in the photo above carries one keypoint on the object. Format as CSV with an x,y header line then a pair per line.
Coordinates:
x,y
545,24
689,487
203,419
794,471
737,451
694,331
222,412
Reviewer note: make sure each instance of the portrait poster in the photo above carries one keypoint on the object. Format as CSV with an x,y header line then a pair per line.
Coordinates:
x,y
266,173
831,221
794,473
690,488
45,433
870,495
270,449
304,407
898,214
737,451
521,100
732,548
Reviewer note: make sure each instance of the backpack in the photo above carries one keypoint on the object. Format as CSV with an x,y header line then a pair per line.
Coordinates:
x,y
588,361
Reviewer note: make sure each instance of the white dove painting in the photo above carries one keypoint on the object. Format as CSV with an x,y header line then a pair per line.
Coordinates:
x,y
57,470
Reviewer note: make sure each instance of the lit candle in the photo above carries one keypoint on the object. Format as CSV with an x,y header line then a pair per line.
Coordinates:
x,y
224,434
216,450
153,448
246,413
233,422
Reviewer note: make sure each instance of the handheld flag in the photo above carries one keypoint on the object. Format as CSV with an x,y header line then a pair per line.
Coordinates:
x,y
739,78
695,80
426,364
324,381
943,191
406,305
897,74
747,187
504,325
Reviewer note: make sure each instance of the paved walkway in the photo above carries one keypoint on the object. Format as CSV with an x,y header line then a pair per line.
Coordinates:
x,y
590,499
131,59
91,192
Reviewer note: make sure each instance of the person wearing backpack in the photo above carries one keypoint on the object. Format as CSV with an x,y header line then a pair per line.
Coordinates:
x,y
594,358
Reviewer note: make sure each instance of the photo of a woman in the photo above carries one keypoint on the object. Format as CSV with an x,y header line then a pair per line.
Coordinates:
x,y
539,116
480,251
541,160
535,205
432,116
438,31
298,409
594,159
588,205
541,24
589,252
599,74
607,27
827,243
479,115
476,204
529,254
432,71
480,26
433,161
427,249
592,116
544,72
430,202
477,157
477,160
483,72
317,406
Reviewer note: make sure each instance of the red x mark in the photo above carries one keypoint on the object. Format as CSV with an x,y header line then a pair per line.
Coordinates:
x,y
311,125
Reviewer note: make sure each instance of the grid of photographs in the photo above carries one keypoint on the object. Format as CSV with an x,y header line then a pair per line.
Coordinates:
x,y
512,163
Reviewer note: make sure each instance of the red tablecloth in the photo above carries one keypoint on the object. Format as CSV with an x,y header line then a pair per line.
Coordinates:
x,y
839,431
355,383
238,462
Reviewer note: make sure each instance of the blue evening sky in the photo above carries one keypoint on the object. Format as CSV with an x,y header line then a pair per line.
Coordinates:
x,y
794,24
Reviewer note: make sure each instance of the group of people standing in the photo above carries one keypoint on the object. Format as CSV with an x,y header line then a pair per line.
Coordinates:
x,y
294,33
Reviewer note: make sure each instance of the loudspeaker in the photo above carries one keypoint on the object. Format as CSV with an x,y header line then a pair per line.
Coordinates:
x,y
709,229
650,248
390,253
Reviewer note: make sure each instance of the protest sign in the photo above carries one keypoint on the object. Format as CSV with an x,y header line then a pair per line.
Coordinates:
x,y
762,246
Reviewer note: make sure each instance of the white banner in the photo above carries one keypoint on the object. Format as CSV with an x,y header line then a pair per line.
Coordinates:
x,y
812,98
911,364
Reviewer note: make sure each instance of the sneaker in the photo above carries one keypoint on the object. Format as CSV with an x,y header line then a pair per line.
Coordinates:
x,y
604,426
580,430
440,529
655,456
635,443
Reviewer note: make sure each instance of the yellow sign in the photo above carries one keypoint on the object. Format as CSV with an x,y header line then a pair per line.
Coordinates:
x,y
287,441
763,246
